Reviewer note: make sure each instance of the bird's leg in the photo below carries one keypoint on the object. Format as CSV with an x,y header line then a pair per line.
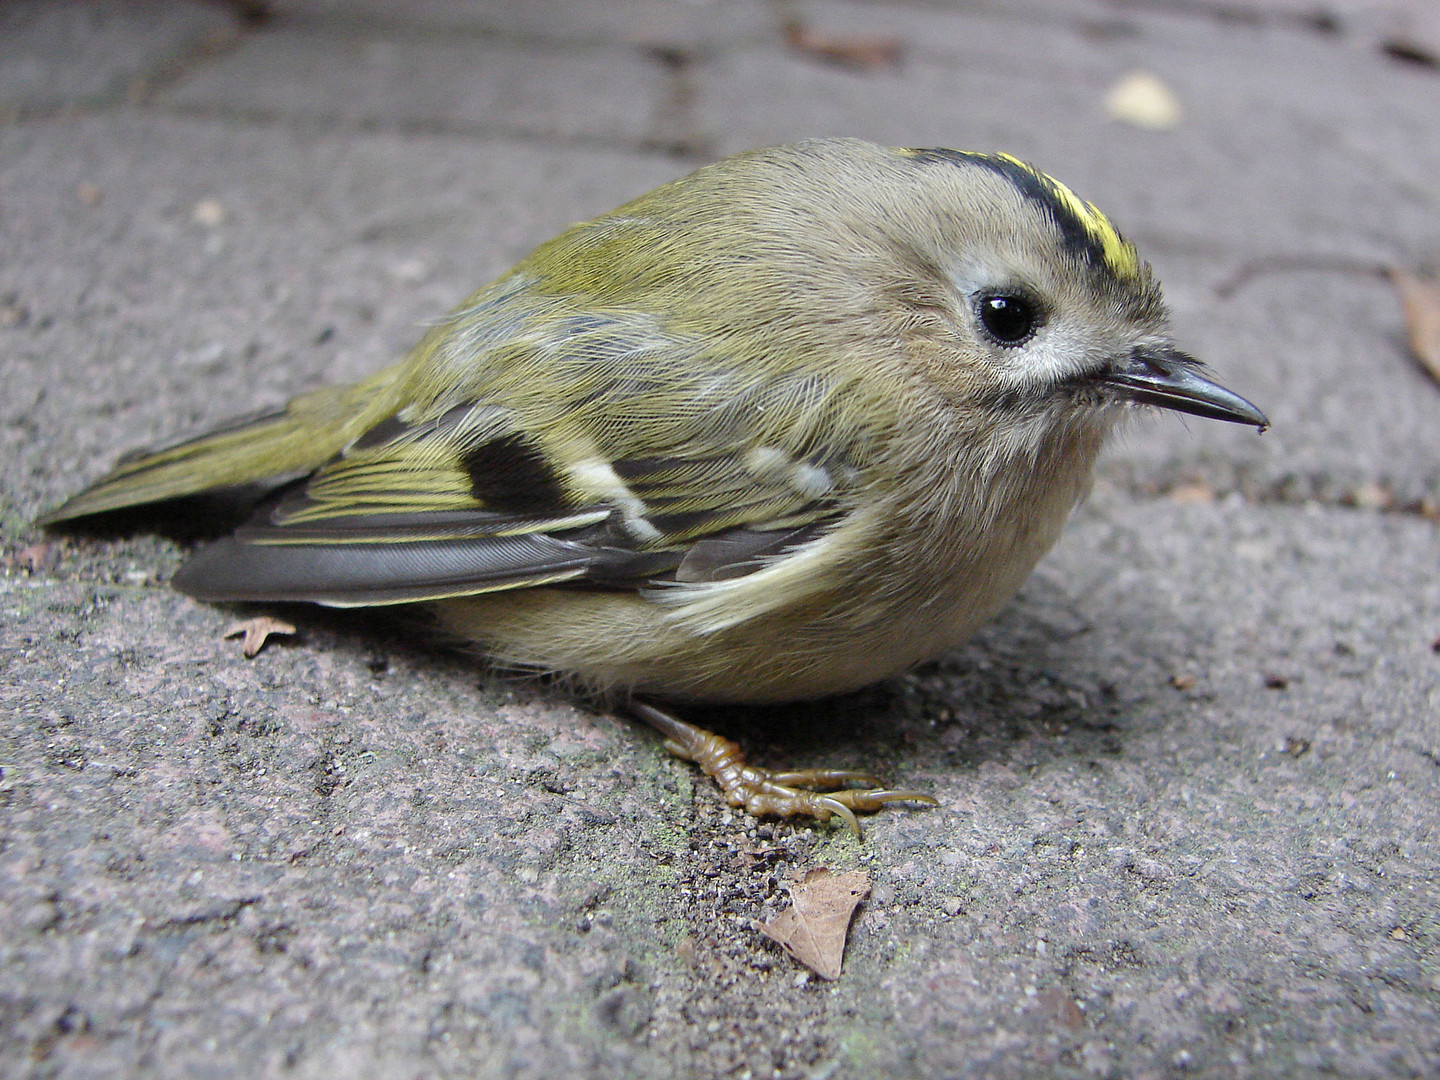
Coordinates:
x,y
817,793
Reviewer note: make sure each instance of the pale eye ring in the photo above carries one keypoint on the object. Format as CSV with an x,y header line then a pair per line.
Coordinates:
x,y
1009,318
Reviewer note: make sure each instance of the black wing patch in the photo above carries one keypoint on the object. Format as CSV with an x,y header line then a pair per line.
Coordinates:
x,y
509,473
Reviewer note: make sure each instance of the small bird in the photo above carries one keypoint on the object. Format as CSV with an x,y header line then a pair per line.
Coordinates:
x,y
776,430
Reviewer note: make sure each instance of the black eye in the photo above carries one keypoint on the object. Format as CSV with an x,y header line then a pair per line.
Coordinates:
x,y
1009,319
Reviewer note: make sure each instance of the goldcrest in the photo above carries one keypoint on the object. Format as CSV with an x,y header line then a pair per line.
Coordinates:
x,y
786,426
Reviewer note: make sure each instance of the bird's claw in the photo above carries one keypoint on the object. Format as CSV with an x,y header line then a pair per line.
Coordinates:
x,y
817,793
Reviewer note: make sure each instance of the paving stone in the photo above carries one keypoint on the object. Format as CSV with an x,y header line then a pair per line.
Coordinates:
x,y
1186,790
700,24
78,54
598,94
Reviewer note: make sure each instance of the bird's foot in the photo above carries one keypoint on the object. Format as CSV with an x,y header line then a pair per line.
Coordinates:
x,y
817,793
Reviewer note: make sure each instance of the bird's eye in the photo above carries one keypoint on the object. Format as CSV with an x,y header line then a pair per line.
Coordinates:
x,y
1009,319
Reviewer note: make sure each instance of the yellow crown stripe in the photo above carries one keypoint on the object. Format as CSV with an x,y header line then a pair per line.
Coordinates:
x,y
1070,211
1120,255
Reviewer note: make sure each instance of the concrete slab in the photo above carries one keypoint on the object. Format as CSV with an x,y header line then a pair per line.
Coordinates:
x,y
85,53
366,78
1185,818
698,24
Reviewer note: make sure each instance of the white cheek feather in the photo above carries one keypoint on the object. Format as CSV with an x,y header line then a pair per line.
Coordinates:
x,y
1043,362
1053,356
1056,352
596,478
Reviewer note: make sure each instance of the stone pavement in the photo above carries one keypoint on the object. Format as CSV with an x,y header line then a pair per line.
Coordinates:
x,y
1188,782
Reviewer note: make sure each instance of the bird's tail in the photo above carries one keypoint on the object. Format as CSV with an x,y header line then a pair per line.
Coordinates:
x,y
271,446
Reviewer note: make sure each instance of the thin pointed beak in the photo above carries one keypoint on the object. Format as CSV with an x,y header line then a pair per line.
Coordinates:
x,y
1170,379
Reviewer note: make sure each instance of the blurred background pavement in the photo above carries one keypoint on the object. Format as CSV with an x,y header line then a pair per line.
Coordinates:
x,y
1188,782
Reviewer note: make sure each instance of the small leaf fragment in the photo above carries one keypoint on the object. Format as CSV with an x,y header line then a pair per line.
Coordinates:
x,y
1198,492
1420,298
32,558
1142,100
257,631
859,51
208,212
813,928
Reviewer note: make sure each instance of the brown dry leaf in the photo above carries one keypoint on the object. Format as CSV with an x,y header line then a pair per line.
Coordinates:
x,y
1420,297
1411,48
32,558
849,50
1059,1005
813,928
257,631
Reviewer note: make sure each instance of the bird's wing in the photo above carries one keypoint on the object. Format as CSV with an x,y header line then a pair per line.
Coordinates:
x,y
592,482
